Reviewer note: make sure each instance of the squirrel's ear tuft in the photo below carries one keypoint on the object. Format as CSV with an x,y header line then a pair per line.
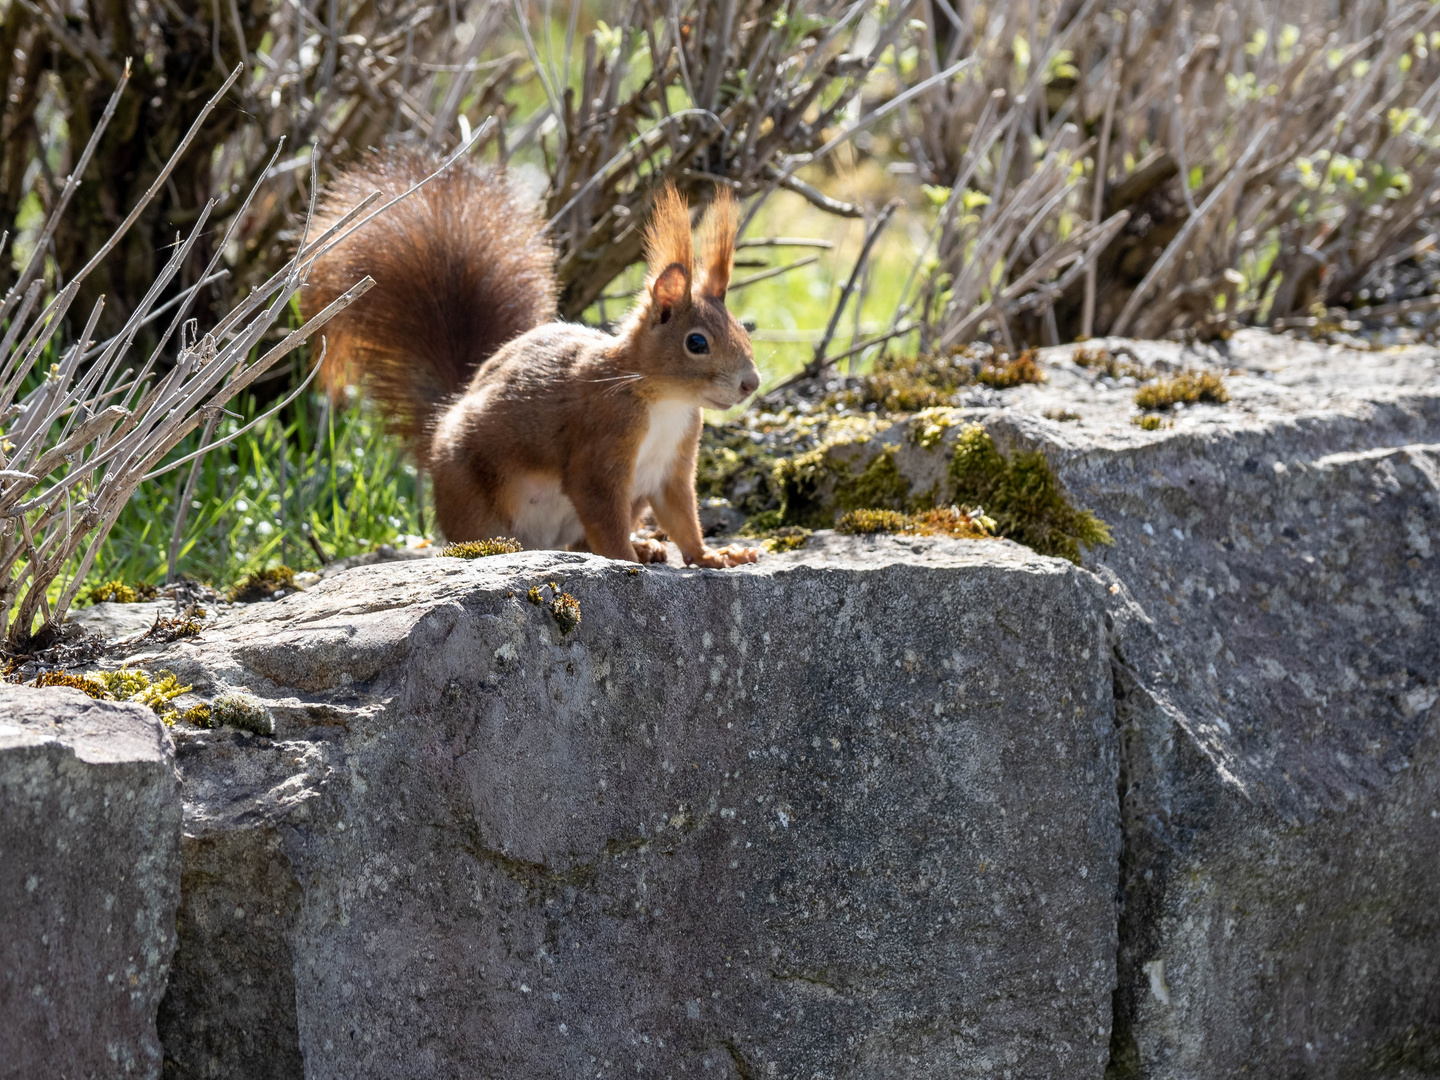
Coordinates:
x,y
671,252
719,244
667,238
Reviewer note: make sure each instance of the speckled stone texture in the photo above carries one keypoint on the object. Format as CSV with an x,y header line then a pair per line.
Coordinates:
x,y
89,878
1272,593
849,812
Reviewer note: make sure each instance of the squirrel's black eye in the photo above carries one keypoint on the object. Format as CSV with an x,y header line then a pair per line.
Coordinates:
x,y
696,343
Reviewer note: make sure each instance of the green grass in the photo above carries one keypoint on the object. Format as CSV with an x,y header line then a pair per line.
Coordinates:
x,y
355,489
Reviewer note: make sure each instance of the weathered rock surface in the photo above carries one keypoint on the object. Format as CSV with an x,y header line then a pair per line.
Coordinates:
x,y
1273,589
849,812
89,878
113,621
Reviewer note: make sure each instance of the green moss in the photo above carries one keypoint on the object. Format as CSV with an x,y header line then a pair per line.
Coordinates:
x,y
880,484
1189,387
940,521
125,683
1003,373
88,684
479,549
196,715
928,429
160,693
563,607
263,585
1023,496
241,711
763,523
566,610
732,465
787,538
117,592
1147,423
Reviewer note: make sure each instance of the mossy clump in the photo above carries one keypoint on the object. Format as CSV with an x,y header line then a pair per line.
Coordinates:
x,y
1112,366
1062,416
126,684
880,484
117,592
1149,422
1023,496
787,538
241,711
196,715
87,684
928,429
480,549
1189,387
733,464
905,385
1003,373
762,524
160,693
173,629
262,585
566,610
941,521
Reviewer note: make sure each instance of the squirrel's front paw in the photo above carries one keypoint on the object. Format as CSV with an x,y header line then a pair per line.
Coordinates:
x,y
730,555
649,551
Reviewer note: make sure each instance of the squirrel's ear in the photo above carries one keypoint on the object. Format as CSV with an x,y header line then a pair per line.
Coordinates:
x,y
719,244
669,289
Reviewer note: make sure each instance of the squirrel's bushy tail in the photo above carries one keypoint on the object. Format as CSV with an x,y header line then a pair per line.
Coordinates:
x,y
460,268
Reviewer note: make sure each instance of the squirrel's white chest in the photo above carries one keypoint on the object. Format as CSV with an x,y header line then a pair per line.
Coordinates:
x,y
670,423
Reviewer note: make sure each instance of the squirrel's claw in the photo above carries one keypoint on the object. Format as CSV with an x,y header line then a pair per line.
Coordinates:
x,y
730,555
649,551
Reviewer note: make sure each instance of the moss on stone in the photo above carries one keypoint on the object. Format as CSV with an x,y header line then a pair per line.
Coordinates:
x,y
1023,496
733,465
480,549
940,521
262,585
787,538
242,711
879,485
87,684
1189,387
1003,373
117,592
566,611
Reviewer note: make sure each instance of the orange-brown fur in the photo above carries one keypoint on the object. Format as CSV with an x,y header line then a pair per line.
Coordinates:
x,y
551,432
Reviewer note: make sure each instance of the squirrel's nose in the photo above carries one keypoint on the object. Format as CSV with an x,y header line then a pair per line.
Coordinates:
x,y
748,383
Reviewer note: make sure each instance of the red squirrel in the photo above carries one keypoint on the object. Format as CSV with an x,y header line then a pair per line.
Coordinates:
x,y
553,433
